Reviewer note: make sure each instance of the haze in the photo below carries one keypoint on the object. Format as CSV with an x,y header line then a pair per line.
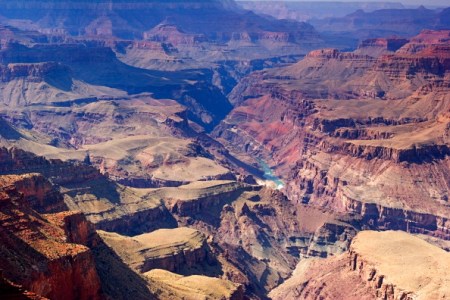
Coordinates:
x,y
404,2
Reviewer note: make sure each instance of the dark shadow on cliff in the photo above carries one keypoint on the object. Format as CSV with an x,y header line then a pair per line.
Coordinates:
x,y
139,223
60,78
101,188
211,214
8,132
117,279
211,267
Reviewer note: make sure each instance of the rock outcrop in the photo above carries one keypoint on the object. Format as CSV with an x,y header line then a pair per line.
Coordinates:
x,y
10,290
81,187
52,261
379,265
173,250
195,198
33,72
191,287
83,69
37,192
160,256
17,161
258,235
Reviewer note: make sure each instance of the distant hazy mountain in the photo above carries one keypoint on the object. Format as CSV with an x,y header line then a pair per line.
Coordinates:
x,y
303,11
385,22
130,19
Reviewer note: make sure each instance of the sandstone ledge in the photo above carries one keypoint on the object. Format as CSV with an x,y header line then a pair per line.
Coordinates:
x,y
195,287
395,218
169,249
193,198
367,150
400,266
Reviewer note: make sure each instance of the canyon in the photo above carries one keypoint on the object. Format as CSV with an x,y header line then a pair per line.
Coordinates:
x,y
197,150
138,221
368,163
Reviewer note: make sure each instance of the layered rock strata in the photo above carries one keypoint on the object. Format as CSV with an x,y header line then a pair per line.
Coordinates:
x,y
169,249
373,269
50,254
190,287
359,134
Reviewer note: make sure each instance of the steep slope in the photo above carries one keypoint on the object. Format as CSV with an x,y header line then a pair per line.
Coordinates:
x,y
373,269
105,203
257,235
365,135
60,256
40,252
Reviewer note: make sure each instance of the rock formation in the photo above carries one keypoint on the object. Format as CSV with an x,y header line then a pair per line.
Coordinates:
x,y
246,217
223,24
191,287
53,263
368,135
258,235
168,249
379,265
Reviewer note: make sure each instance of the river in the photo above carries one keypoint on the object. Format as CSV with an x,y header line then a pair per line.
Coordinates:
x,y
270,176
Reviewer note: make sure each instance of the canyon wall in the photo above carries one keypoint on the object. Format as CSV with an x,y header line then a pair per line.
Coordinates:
x,y
355,133
55,260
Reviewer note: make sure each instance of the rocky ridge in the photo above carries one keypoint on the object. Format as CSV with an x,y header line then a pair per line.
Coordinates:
x,y
71,246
